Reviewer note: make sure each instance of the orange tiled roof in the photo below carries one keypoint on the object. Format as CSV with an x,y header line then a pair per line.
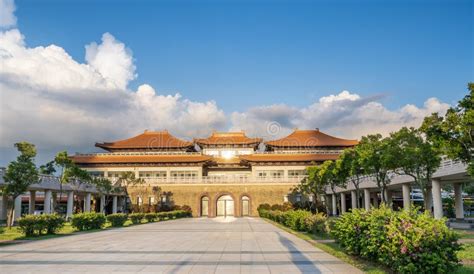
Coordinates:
x,y
116,159
288,157
228,138
311,138
147,140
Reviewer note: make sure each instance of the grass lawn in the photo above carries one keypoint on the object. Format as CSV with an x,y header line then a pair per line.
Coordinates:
x,y
465,234
466,255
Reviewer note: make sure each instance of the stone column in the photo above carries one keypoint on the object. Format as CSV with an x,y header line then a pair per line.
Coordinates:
x,y
87,203
114,204
17,209
334,205
32,202
343,203
406,196
354,199
70,204
54,203
376,199
3,208
102,203
47,201
367,199
458,201
437,201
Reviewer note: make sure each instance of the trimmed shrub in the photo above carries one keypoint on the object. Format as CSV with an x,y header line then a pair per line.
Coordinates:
x,y
32,225
316,223
88,221
151,217
405,241
300,220
118,219
136,218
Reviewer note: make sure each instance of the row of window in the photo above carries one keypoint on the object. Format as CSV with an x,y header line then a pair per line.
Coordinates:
x,y
280,173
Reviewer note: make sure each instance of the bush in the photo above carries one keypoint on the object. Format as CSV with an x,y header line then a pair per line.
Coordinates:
x,y
151,217
405,241
118,219
88,221
137,218
32,225
300,220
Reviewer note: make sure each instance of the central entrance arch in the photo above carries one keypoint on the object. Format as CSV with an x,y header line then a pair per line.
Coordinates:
x,y
225,206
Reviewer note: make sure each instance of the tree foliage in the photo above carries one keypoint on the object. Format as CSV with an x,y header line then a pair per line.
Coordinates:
x,y
20,174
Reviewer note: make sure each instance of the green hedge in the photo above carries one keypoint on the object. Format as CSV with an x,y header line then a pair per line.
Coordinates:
x,y
405,241
300,220
151,217
118,219
32,225
88,221
136,218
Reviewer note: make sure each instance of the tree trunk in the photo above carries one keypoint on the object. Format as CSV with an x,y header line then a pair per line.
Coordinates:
x,y
10,210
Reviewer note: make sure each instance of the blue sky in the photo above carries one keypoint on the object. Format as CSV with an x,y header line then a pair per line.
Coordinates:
x,y
247,53
78,72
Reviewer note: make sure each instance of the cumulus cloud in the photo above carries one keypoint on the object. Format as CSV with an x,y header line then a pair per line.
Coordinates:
x,y
345,114
56,102
7,16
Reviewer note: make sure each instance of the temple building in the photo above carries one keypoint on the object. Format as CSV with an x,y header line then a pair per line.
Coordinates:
x,y
225,174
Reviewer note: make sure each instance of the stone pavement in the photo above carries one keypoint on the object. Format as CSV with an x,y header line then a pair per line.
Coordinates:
x,y
194,245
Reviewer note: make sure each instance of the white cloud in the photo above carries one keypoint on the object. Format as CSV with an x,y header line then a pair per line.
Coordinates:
x,y
7,16
345,114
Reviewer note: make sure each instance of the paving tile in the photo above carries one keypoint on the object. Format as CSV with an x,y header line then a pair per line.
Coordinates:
x,y
198,245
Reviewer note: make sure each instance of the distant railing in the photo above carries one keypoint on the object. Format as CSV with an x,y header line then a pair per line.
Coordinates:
x,y
218,180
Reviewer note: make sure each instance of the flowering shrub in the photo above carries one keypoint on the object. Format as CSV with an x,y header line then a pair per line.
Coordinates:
x,y
300,220
32,225
88,221
117,219
405,241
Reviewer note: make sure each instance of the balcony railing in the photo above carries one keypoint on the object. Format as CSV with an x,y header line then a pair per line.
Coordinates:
x,y
219,180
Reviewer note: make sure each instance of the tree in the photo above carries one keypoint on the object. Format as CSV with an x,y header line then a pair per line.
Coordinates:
x,y
454,133
48,168
20,174
312,184
128,180
351,160
105,186
416,157
376,160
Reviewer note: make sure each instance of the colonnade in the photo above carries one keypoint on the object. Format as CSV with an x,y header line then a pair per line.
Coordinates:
x,y
370,198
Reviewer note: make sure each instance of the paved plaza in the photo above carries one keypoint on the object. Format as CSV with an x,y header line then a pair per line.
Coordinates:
x,y
194,245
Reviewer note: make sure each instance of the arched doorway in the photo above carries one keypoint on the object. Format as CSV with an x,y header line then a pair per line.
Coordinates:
x,y
245,206
205,206
225,206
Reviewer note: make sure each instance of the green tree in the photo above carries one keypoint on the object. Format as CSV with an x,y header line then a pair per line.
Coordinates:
x,y
351,160
20,174
128,179
48,168
416,157
376,160
312,184
105,186
454,132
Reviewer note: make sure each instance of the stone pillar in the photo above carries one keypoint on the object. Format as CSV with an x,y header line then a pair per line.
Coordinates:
x,y
70,204
47,201
114,204
354,199
54,203
458,201
106,174
376,199
334,205
367,199
17,209
343,203
406,196
32,202
87,203
3,208
437,201
102,203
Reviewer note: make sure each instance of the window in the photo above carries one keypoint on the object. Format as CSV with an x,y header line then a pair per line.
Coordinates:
x,y
184,174
139,201
285,198
296,173
151,200
298,197
163,199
